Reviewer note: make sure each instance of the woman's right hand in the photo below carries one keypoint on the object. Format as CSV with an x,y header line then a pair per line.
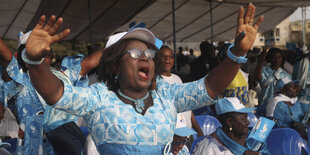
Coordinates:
x,y
263,55
43,36
250,152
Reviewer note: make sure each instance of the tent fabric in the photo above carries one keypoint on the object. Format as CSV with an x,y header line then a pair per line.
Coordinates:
x,y
193,22
105,16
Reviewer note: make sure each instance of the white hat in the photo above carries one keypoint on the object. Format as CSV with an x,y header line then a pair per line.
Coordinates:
x,y
231,104
136,33
181,129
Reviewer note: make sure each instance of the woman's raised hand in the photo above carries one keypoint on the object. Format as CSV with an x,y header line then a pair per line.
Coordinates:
x,y
246,30
43,36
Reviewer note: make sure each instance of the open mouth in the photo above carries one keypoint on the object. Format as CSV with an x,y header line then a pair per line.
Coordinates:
x,y
144,72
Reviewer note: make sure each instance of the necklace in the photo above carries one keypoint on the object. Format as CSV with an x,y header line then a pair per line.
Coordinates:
x,y
139,103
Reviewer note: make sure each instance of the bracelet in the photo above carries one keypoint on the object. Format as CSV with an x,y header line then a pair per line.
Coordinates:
x,y
241,59
28,61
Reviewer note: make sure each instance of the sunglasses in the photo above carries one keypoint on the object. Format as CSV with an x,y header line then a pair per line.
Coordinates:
x,y
136,53
180,142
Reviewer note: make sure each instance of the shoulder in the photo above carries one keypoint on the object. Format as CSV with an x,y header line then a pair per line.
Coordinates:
x,y
176,78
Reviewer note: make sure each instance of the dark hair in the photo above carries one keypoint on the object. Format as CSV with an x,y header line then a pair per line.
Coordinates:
x,y
110,61
223,118
272,52
20,61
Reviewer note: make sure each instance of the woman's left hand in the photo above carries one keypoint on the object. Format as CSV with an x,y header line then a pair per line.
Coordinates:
x,y
246,30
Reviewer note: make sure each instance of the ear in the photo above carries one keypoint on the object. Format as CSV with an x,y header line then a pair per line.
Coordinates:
x,y
229,121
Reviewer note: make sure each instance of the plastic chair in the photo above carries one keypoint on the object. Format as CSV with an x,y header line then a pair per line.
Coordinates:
x,y
252,118
286,141
208,124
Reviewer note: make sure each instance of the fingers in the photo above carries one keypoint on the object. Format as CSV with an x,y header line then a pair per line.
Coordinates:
x,y
252,16
248,13
56,26
240,17
258,22
40,23
60,35
50,23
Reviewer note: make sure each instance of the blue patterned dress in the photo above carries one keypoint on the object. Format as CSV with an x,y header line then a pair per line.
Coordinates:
x,y
34,114
117,128
268,82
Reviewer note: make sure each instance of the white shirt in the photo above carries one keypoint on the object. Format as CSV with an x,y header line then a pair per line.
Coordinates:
x,y
210,145
9,126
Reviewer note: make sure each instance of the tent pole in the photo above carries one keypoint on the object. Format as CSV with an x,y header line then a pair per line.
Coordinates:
x,y
303,13
211,18
90,28
174,38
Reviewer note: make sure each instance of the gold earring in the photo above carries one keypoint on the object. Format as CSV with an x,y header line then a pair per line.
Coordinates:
x,y
230,128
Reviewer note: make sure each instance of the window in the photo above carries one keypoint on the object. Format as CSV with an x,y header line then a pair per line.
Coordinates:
x,y
277,32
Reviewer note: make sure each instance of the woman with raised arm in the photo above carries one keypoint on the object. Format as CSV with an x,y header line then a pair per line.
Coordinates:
x,y
125,117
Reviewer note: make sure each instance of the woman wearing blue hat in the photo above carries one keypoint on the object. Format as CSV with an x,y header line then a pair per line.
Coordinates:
x,y
231,138
122,114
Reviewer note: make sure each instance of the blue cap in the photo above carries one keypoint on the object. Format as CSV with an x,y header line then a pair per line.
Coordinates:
x,y
231,104
181,129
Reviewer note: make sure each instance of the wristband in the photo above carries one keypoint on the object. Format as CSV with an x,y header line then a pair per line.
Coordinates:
x,y
28,61
241,59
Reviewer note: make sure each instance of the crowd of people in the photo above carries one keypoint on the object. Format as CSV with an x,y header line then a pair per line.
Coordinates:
x,y
138,104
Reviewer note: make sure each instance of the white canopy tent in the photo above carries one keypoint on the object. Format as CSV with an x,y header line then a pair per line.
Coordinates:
x,y
94,20
193,17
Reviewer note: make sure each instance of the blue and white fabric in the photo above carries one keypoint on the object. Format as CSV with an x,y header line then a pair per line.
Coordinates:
x,y
273,103
34,114
4,96
116,127
283,116
210,145
268,82
302,72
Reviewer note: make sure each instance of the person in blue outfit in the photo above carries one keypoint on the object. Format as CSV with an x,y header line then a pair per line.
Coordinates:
x,y
181,136
286,105
231,138
268,76
122,114
34,114
301,72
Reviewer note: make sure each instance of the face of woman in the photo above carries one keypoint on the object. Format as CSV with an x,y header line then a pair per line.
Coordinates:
x,y
291,90
240,124
166,60
276,60
136,74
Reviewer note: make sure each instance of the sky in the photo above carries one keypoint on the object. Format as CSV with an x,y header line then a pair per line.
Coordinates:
x,y
297,14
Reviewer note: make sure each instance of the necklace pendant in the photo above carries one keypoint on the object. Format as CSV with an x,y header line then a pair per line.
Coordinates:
x,y
139,108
